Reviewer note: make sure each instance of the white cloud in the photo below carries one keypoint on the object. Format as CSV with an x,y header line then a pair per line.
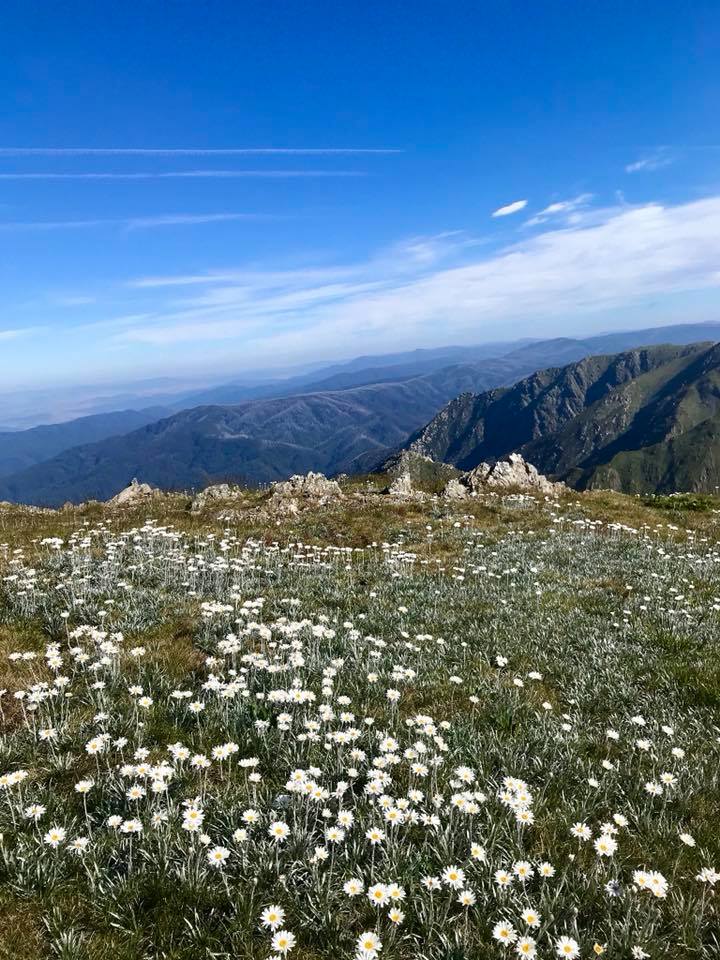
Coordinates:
x,y
609,260
408,255
559,208
655,160
510,208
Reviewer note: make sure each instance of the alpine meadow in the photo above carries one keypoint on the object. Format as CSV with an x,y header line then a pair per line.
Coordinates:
x,y
391,727
359,480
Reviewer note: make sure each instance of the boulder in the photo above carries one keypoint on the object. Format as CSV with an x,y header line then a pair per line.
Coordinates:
x,y
402,486
414,474
513,472
210,496
132,493
454,490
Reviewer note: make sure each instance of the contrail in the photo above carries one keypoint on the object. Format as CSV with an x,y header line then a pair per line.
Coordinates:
x,y
179,174
136,223
187,151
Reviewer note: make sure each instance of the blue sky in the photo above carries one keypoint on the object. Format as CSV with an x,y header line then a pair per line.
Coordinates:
x,y
208,188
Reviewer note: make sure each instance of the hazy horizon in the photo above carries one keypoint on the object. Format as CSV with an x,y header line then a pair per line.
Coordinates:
x,y
197,374
60,402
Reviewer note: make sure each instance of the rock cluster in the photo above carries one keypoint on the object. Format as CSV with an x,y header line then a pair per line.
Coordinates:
x,y
409,472
513,472
312,485
211,495
132,493
289,495
504,474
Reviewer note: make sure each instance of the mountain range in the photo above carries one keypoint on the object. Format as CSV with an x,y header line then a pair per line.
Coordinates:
x,y
350,417
20,449
254,442
645,420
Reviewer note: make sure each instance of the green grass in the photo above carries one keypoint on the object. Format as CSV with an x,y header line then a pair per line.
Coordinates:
x,y
695,502
617,619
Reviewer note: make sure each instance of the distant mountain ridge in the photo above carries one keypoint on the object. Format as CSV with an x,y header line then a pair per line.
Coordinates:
x,y
645,420
20,449
360,372
43,405
520,354
368,413
254,442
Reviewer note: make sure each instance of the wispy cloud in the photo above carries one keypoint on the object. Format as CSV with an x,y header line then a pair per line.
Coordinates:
x,y
241,277
73,301
404,258
194,219
655,160
561,208
135,223
190,151
184,174
510,208
609,261
21,333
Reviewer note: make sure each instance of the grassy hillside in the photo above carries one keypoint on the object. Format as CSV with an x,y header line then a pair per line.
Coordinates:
x,y
433,704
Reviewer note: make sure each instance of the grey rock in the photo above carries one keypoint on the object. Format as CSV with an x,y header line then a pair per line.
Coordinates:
x,y
513,472
454,490
309,486
210,496
402,486
302,490
132,493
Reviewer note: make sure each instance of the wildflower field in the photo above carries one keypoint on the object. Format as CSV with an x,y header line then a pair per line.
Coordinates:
x,y
406,732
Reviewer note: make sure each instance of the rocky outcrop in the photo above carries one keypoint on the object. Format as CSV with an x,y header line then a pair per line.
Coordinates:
x,y
302,490
26,508
402,486
210,496
513,472
308,486
134,492
455,490
415,475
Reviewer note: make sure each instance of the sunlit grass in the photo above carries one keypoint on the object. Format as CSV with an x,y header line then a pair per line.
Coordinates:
x,y
365,666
